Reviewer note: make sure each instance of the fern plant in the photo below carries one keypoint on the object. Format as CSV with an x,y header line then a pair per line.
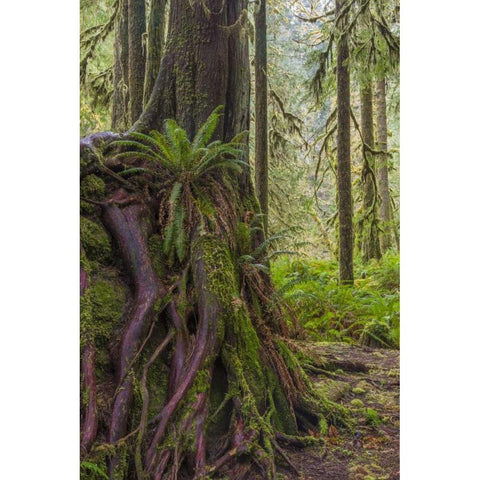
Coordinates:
x,y
189,170
367,313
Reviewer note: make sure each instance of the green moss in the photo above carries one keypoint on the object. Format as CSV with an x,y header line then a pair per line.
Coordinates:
x,y
372,417
334,390
243,238
95,241
358,390
282,416
100,310
156,253
93,188
356,402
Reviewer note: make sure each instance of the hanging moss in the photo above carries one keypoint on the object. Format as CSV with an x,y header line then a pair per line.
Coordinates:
x,y
95,241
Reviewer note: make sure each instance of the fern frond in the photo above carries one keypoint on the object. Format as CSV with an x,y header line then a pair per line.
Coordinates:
x,y
277,253
207,130
240,138
144,138
263,246
180,237
136,156
163,145
133,171
177,138
133,144
175,193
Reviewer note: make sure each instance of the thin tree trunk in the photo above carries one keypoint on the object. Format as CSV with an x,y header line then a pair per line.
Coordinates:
x,y
136,57
370,242
382,175
344,184
155,45
120,120
261,119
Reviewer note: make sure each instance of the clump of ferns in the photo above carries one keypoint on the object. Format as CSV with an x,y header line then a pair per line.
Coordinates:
x,y
191,179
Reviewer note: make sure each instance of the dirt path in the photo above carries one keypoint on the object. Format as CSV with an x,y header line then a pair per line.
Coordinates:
x,y
367,381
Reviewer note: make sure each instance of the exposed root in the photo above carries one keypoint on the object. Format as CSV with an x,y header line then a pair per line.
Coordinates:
x,y
90,423
145,396
224,321
128,227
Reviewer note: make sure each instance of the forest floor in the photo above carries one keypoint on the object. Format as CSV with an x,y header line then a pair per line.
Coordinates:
x,y
367,381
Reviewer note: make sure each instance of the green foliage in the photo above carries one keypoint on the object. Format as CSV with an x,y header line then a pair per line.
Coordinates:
x,y
181,159
101,310
95,240
372,417
91,471
270,248
367,313
187,169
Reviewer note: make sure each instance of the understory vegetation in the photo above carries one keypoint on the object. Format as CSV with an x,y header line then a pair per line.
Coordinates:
x,y
367,313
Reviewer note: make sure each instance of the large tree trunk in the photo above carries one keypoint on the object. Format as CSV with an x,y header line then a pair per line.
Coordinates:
x,y
383,185
136,57
261,114
344,175
120,119
369,230
197,373
155,45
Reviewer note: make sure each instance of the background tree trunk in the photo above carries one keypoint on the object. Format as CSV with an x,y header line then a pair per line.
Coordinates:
x,y
344,187
383,185
155,45
136,57
120,118
261,113
370,242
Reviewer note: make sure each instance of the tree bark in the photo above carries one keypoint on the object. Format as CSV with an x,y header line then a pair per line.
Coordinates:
x,y
136,57
261,111
155,45
344,182
120,119
370,242
383,184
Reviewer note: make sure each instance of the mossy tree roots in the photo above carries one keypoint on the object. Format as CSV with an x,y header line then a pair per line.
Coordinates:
x,y
195,377
185,345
